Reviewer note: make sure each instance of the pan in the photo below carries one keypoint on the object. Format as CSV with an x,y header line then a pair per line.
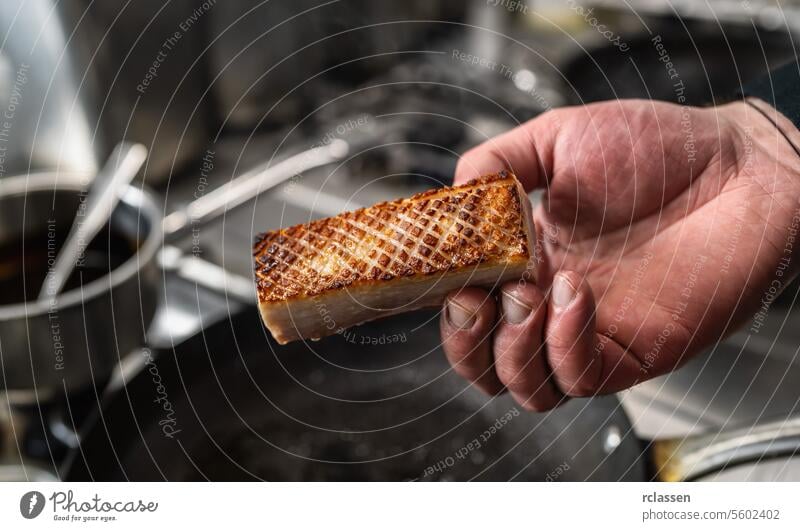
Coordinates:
x,y
109,302
379,403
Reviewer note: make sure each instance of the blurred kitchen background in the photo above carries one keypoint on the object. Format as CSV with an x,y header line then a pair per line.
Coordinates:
x,y
216,88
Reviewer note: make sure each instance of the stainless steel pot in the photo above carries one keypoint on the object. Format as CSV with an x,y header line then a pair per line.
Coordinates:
x,y
82,336
78,340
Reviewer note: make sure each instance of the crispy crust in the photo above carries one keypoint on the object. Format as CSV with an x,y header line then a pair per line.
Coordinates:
x,y
436,236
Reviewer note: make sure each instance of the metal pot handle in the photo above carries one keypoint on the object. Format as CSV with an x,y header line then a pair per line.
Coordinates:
x,y
207,274
249,185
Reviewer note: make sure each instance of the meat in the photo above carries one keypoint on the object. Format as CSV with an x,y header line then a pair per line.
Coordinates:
x,y
320,278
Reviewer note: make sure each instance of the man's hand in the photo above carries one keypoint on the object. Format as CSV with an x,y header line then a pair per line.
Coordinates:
x,y
662,227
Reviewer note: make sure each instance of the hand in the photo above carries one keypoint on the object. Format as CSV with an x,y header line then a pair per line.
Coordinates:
x,y
662,228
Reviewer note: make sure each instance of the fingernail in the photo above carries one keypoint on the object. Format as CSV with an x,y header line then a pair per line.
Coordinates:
x,y
563,292
514,310
459,316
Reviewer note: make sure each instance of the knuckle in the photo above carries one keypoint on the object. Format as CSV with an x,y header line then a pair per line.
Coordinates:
x,y
584,385
515,376
539,407
462,362
580,390
467,363
559,346
472,152
551,119
528,385
489,385
536,403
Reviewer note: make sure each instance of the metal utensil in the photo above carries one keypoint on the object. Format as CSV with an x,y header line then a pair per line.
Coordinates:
x,y
249,185
46,345
104,194
206,274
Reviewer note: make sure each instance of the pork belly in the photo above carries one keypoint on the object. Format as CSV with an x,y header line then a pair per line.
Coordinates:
x,y
322,277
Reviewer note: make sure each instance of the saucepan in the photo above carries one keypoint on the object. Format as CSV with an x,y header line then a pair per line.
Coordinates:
x,y
108,303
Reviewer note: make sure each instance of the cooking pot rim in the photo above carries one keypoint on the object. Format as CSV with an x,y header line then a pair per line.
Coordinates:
x,y
136,197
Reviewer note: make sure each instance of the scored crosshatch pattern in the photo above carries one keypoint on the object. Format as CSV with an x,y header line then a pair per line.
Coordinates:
x,y
432,232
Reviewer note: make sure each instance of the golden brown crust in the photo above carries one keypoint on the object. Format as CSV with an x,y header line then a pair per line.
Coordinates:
x,y
432,232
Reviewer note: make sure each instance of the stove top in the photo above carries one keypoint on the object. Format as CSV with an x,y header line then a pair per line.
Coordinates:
x,y
212,397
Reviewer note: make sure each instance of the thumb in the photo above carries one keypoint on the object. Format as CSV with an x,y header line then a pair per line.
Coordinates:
x,y
525,151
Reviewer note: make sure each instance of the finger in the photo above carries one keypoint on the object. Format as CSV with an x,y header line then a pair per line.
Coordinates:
x,y
570,336
520,360
466,327
525,150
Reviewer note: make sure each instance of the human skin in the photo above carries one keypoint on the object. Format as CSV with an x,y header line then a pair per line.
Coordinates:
x,y
650,249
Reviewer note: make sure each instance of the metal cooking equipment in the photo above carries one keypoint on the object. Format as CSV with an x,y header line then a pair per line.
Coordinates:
x,y
249,185
233,390
91,345
689,458
243,408
47,348
103,196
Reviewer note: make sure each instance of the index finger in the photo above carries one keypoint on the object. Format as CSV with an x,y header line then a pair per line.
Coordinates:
x,y
526,151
